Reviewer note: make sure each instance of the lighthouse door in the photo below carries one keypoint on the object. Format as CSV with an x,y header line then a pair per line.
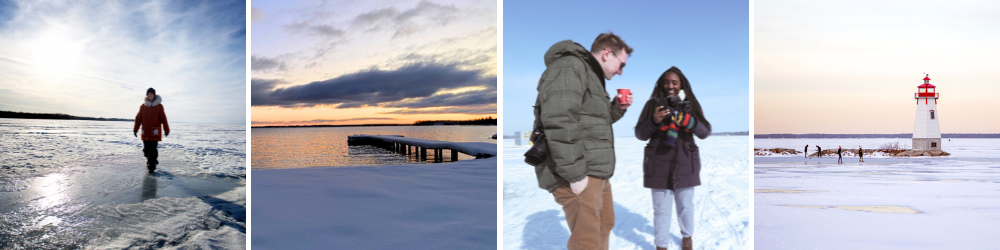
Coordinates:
x,y
932,114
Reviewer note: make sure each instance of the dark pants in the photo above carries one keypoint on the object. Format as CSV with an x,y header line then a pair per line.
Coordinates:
x,y
149,150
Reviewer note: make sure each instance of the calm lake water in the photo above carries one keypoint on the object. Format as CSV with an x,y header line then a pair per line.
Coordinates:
x,y
327,146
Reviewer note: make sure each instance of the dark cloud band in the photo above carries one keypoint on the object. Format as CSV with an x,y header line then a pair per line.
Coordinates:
x,y
412,86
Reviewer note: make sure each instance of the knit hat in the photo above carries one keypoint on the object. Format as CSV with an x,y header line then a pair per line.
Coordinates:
x,y
151,90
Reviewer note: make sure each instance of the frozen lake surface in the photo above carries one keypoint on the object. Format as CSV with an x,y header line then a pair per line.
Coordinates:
x,y
533,220
418,206
947,202
72,184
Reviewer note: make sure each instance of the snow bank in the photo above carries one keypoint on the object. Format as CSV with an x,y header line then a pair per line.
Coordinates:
x,y
421,206
533,220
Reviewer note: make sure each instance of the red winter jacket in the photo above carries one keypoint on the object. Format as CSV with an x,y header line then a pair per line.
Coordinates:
x,y
150,117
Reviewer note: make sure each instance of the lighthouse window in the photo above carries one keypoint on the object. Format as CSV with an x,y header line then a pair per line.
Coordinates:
x,y
923,90
932,115
933,144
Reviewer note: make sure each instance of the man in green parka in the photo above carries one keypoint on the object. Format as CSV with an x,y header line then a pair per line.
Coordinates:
x,y
575,115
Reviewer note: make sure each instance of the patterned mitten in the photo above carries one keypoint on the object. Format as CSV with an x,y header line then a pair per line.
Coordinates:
x,y
685,121
671,138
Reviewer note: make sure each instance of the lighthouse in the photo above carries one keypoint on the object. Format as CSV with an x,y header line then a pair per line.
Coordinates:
x,y
926,132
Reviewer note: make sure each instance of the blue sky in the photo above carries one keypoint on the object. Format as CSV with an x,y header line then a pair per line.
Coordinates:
x,y
707,40
97,58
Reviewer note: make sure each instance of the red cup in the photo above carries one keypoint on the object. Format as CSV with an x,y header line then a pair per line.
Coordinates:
x,y
624,94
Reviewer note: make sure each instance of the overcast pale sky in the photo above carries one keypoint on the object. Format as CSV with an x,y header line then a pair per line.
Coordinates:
x,y
365,62
97,58
853,66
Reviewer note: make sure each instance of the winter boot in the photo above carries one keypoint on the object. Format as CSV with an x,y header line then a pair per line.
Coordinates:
x,y
151,167
686,244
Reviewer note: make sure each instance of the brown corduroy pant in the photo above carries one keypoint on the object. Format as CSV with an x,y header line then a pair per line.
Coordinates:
x,y
590,215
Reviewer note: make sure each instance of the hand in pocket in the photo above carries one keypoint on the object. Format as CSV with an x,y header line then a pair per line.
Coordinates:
x,y
577,187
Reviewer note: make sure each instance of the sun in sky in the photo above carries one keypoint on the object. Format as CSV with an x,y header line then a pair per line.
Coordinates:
x,y
97,58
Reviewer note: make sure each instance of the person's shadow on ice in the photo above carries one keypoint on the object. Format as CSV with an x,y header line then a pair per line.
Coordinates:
x,y
630,226
544,230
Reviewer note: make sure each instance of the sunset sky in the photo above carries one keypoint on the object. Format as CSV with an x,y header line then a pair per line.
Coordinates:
x,y
97,58
372,62
853,66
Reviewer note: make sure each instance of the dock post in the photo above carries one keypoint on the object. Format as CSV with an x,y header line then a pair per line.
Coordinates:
x,y
454,155
407,149
423,153
438,154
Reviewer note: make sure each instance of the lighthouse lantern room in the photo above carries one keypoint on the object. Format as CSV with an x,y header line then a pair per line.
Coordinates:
x,y
926,132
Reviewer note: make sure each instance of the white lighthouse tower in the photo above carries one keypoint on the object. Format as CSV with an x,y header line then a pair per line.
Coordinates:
x,y
926,132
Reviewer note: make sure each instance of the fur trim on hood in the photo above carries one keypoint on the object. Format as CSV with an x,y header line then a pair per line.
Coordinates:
x,y
153,103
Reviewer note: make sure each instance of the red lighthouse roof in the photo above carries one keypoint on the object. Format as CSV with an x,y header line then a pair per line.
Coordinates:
x,y
927,83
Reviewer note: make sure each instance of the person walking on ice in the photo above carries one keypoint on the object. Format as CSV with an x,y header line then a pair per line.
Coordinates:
x,y
153,122
840,154
861,153
806,151
819,151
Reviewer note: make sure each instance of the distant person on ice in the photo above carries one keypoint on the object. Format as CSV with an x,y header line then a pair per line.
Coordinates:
x,y
671,161
840,155
819,151
150,118
861,153
575,113
806,150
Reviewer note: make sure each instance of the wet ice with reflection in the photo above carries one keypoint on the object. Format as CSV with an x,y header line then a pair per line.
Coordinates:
x,y
67,184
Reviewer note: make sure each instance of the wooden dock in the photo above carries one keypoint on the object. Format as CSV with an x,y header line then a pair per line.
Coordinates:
x,y
419,147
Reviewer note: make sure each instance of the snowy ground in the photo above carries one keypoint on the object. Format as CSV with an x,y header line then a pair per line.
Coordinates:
x,y
533,220
71,184
947,202
416,206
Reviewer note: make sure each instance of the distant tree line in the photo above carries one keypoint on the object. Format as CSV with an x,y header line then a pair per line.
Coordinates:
x,y
732,133
481,121
859,136
22,115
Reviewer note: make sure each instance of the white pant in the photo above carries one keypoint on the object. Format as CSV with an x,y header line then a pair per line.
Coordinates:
x,y
663,199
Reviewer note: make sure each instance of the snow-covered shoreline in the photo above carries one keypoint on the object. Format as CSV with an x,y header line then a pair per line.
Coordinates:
x,y
415,206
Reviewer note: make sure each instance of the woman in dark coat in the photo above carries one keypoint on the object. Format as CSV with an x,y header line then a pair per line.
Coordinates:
x,y
671,161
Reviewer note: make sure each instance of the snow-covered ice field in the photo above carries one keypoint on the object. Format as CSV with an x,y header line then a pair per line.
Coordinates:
x,y
414,206
83,184
950,202
533,220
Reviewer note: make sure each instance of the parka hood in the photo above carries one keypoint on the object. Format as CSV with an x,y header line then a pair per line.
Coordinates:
x,y
567,48
156,101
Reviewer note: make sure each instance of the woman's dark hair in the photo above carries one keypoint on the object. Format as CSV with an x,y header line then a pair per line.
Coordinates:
x,y
660,92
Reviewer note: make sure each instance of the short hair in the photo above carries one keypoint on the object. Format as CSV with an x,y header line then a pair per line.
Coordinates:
x,y
609,41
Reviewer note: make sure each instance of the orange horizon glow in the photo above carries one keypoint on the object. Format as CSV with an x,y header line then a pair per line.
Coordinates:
x,y
277,116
